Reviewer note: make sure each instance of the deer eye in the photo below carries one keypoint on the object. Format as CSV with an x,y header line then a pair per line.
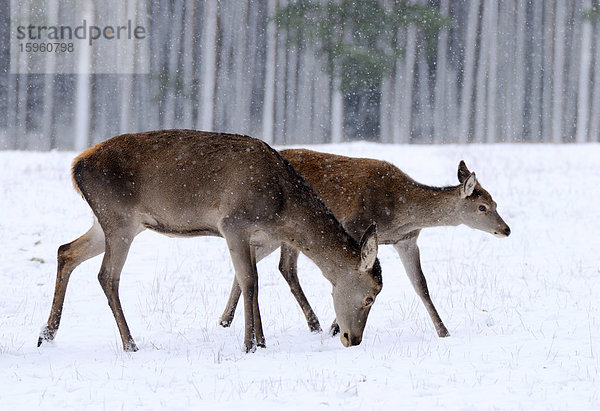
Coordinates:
x,y
368,301
482,208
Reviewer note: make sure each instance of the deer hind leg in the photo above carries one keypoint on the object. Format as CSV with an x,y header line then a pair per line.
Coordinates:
x,y
69,257
410,256
234,297
117,248
288,266
235,293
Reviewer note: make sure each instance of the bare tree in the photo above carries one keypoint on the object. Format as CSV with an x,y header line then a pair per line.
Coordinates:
x,y
584,88
406,80
558,72
492,29
482,73
82,99
240,113
208,64
291,92
537,71
573,29
440,119
468,71
268,117
519,86
174,43
188,34
514,70
595,109
49,98
547,93
337,112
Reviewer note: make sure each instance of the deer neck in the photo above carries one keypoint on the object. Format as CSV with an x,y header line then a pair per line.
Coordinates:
x,y
322,239
431,207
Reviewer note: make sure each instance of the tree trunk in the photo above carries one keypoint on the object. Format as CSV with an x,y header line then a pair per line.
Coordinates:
x,y
492,72
571,70
268,115
385,105
208,63
407,81
468,71
585,61
291,93
125,77
424,114
320,103
21,139
440,110
595,112
280,83
188,34
82,99
519,85
173,65
537,72
337,111
549,29
558,72
482,73
48,130
239,69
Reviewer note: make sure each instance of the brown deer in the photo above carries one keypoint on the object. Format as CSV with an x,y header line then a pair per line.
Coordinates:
x,y
362,191
190,183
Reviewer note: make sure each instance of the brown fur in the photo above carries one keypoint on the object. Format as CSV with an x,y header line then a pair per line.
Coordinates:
x,y
361,191
188,183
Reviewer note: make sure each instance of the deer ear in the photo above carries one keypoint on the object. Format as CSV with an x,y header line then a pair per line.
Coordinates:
x,y
463,172
368,248
468,186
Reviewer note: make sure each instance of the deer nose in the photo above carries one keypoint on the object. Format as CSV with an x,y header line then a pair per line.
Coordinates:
x,y
507,231
355,340
349,341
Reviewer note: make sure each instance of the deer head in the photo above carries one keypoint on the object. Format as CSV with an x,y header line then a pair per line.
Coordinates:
x,y
352,298
477,209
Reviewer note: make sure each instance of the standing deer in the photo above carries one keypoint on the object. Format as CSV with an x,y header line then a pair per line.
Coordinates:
x,y
190,183
362,191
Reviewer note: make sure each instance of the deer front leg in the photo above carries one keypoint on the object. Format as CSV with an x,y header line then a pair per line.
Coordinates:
x,y
228,314
260,252
410,256
69,257
288,266
244,263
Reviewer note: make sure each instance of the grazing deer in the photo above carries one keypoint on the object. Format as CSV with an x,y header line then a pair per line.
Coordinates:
x,y
190,183
362,191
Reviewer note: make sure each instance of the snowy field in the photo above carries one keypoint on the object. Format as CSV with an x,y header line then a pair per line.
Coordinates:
x,y
524,312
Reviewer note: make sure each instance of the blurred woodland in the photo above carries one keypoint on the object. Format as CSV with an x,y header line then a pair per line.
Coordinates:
x,y
297,72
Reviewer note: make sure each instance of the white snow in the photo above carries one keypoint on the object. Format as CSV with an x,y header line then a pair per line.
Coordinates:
x,y
523,311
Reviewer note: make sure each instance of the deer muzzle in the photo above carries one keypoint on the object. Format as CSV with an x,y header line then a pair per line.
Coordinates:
x,y
502,232
349,341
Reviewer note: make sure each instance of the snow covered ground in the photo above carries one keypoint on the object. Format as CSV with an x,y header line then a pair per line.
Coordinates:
x,y
523,312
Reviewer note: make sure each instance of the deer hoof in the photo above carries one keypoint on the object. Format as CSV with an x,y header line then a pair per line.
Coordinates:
x,y
442,332
130,346
335,329
225,323
45,335
251,347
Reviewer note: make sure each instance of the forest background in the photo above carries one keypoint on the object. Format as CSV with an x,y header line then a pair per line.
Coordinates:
x,y
303,72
